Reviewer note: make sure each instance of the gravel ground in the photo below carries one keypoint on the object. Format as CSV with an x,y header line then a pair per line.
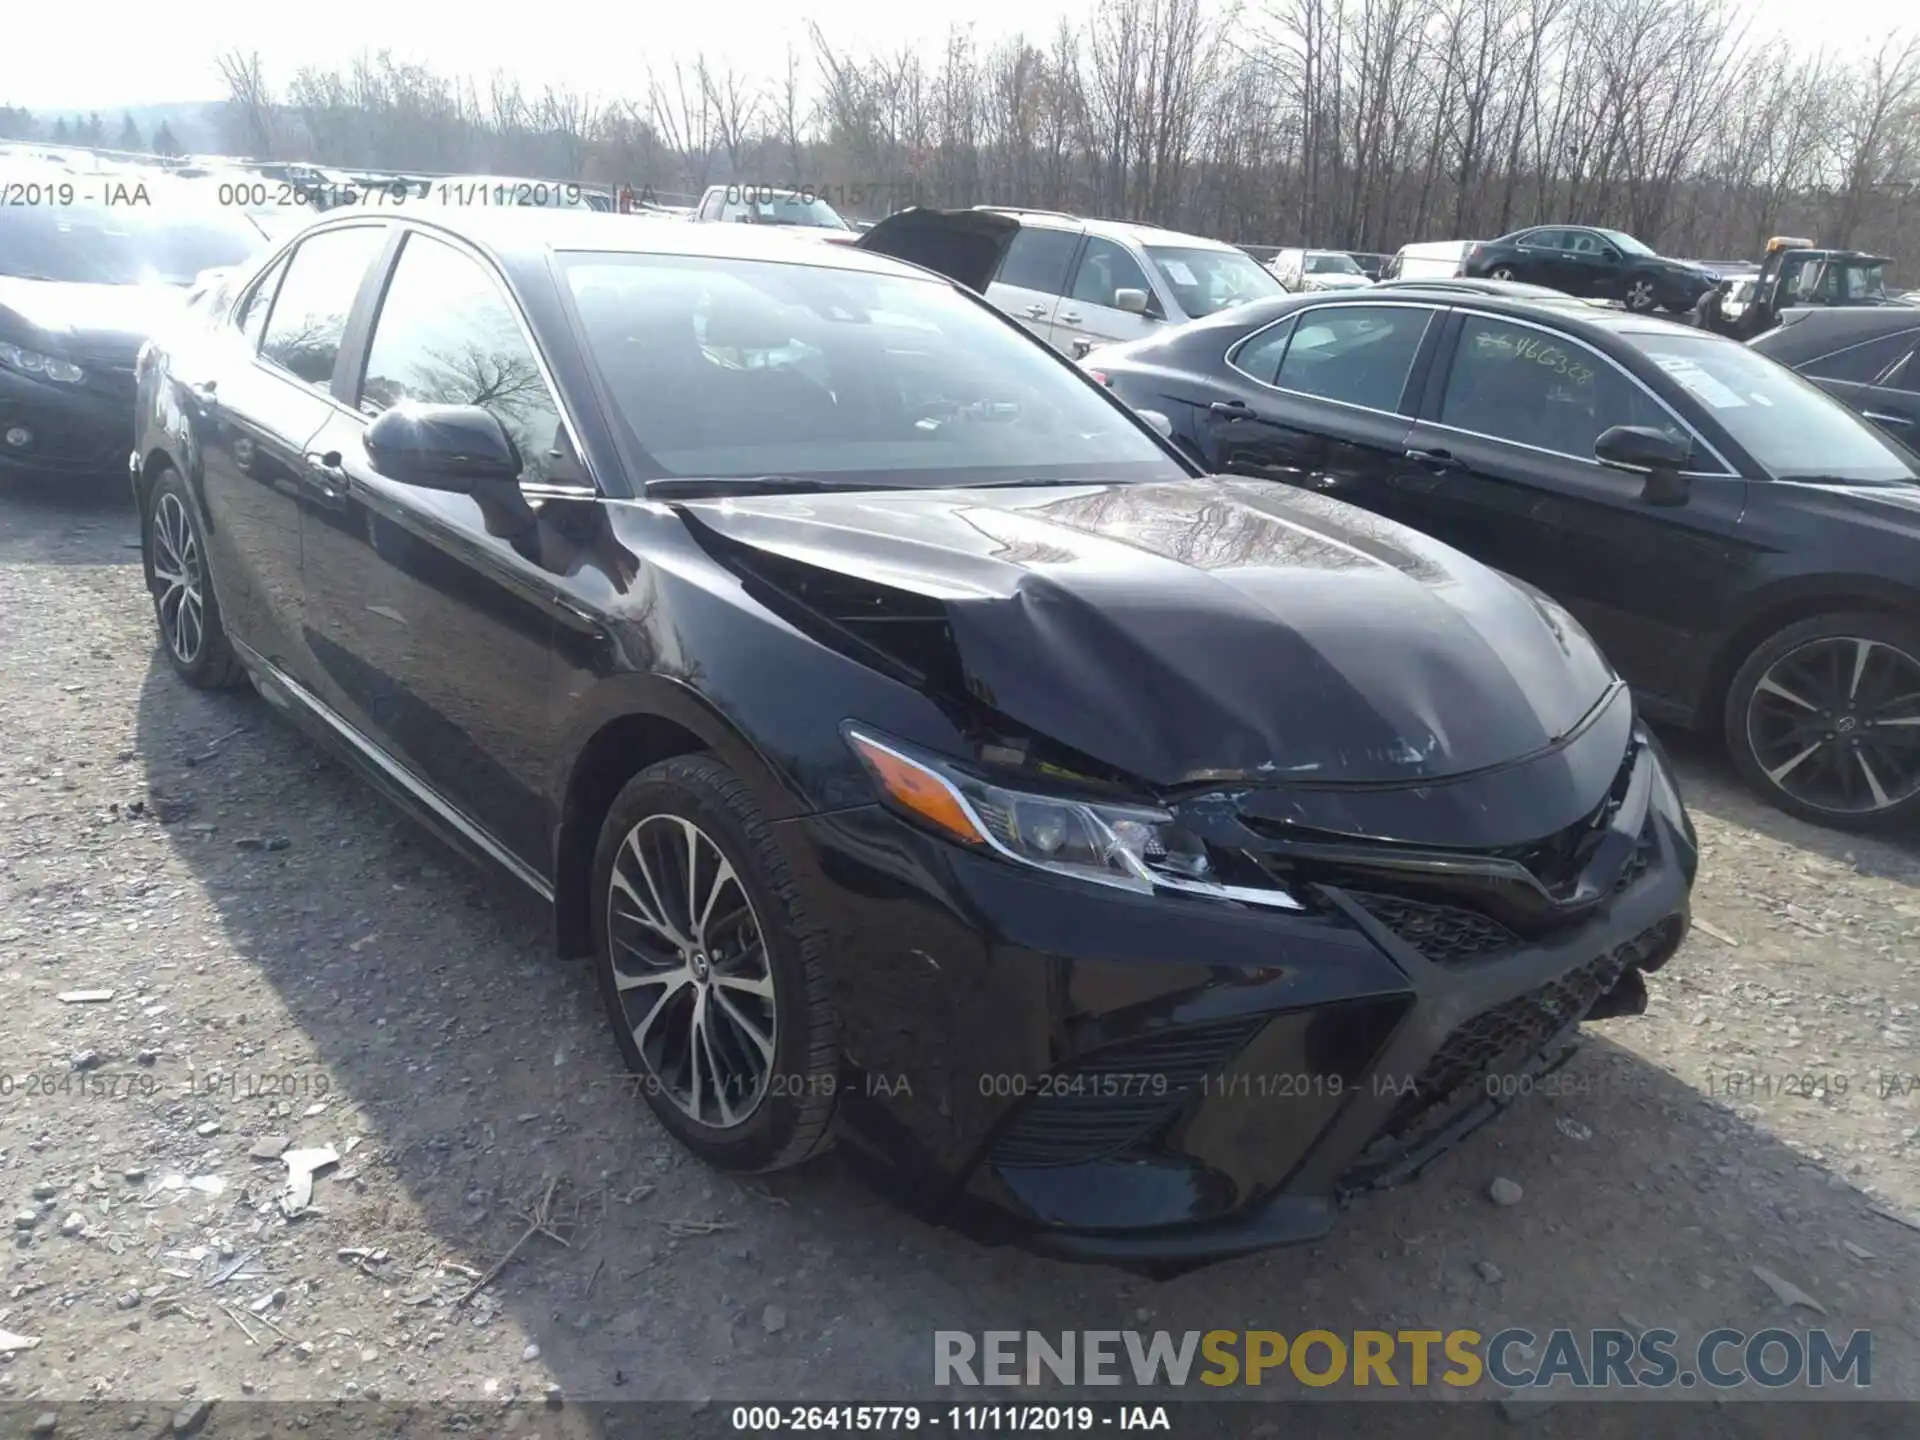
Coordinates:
x,y
279,962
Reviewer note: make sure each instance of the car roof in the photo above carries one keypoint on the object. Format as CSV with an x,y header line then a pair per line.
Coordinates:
x,y
1112,229
521,233
1818,332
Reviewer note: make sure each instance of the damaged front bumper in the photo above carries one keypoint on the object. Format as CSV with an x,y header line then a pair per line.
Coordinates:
x,y
1159,1081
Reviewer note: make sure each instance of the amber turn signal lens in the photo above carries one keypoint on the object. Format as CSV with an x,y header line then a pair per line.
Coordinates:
x,y
918,789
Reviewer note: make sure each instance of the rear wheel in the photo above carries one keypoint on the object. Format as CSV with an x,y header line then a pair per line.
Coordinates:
x,y
1823,720
185,609
1501,272
1640,297
710,974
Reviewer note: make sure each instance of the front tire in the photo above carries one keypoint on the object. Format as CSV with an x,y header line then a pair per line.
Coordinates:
x,y
1501,272
710,972
185,609
1823,721
1640,297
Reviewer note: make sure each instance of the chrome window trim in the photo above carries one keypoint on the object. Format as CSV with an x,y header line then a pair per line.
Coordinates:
x,y
1726,472
1294,315
272,675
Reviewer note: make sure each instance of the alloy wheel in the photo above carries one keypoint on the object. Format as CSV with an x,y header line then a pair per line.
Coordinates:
x,y
1500,272
1835,723
181,606
691,968
1640,295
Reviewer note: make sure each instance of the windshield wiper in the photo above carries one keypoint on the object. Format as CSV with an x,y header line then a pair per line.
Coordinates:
x,y
712,487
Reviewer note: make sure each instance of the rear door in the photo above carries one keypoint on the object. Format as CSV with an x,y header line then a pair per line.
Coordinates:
x,y
1510,417
1541,258
1033,276
1088,314
1319,400
254,422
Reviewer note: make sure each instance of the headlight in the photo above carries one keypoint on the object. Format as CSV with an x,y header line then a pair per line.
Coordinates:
x,y
49,367
1130,847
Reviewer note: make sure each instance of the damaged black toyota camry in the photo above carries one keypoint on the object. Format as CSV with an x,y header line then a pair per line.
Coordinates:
x,y
1118,860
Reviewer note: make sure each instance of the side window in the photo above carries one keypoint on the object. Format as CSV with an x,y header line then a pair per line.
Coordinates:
x,y
446,335
1515,383
1359,354
1107,267
710,208
309,314
1864,363
1544,240
252,317
1585,242
1038,259
1259,355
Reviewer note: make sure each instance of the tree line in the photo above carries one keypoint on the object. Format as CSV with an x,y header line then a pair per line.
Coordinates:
x,y
1353,124
90,131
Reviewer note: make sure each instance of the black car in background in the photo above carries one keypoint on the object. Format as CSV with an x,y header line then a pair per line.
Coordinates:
x,y
1865,358
1746,550
926,754
1592,264
88,270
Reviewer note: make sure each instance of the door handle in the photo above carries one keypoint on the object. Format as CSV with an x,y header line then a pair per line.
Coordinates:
x,y
326,470
1069,317
1434,459
1886,419
1232,409
1035,312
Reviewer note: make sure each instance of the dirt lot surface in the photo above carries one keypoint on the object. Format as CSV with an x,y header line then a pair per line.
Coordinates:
x,y
218,948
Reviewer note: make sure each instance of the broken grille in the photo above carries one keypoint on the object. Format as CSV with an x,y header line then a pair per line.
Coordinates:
x,y
1444,934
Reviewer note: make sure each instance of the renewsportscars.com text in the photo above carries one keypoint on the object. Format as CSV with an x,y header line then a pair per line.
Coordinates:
x,y
1516,1358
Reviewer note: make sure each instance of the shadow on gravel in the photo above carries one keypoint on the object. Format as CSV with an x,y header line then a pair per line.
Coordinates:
x,y
474,1068
48,522
1710,787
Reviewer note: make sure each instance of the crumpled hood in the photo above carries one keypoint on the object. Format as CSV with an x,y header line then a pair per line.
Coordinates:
x,y
101,321
1209,629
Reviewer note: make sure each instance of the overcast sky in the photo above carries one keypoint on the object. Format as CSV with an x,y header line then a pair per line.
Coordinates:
x,y
130,54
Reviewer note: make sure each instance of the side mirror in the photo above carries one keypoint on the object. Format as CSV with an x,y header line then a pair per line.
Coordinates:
x,y
1134,302
1158,420
1609,253
443,447
1649,452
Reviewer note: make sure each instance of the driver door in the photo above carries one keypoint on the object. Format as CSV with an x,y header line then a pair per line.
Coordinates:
x,y
1088,313
1506,438
433,631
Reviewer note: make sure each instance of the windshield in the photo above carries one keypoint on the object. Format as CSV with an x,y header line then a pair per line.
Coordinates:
x,y
770,209
1206,281
1625,243
1332,262
1789,426
747,367
121,244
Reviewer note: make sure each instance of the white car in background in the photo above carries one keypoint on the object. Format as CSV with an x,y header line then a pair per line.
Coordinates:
x,y
1077,283
1304,270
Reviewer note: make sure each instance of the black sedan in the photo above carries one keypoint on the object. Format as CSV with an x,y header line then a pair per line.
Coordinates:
x,y
1592,264
1865,358
89,268
1129,861
1743,548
